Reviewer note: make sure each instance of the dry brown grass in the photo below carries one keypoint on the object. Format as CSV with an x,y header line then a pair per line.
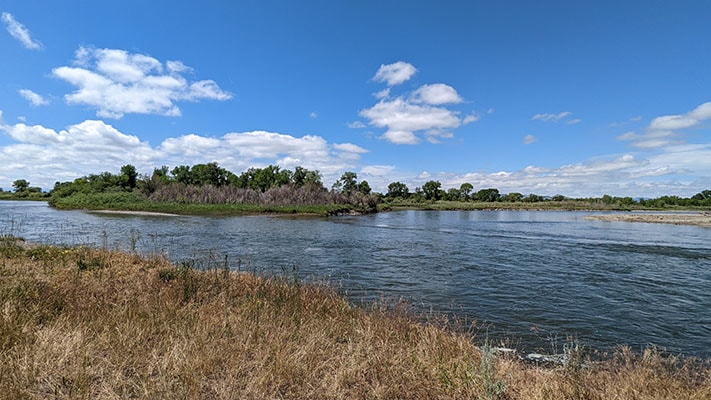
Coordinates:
x,y
84,323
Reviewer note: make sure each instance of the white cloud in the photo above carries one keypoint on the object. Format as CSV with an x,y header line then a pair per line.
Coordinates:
x,y
551,117
663,131
395,73
34,98
43,155
349,148
470,118
378,170
356,125
116,82
528,139
436,94
574,121
19,32
400,137
313,115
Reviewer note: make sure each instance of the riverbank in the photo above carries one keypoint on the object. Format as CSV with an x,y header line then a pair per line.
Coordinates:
x,y
696,219
81,322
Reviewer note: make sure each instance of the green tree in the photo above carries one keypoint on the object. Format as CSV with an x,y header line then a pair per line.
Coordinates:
x,y
487,195
454,194
347,184
465,189
364,187
20,185
128,176
432,190
512,197
398,190
182,174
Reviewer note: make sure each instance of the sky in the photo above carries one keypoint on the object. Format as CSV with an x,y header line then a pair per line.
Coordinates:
x,y
548,97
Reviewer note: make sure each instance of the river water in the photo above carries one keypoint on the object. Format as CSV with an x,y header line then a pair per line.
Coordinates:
x,y
535,277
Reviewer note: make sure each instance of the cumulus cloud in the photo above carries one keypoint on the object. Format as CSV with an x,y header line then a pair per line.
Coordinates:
x,y
20,32
117,82
664,130
44,155
436,94
421,111
395,73
34,98
528,139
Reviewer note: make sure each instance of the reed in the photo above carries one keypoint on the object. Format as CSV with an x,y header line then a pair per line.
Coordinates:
x,y
87,323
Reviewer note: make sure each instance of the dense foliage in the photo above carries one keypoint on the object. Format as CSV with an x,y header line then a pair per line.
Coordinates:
x,y
210,184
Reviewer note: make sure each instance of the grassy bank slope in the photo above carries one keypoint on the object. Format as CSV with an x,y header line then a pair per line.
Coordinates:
x,y
84,323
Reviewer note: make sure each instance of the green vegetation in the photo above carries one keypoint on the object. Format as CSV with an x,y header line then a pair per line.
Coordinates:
x,y
94,324
23,191
210,189
431,197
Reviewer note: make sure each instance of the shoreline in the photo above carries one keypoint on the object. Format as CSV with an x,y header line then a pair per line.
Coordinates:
x,y
702,219
128,212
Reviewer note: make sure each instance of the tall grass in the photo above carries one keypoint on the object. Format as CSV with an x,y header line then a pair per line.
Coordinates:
x,y
87,323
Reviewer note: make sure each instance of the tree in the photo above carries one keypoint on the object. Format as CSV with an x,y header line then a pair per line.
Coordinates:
x,y
20,185
512,197
432,191
348,183
453,194
398,190
364,187
466,190
182,174
487,195
128,176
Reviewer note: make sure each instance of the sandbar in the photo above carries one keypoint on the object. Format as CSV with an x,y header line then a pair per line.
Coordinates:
x,y
127,212
696,219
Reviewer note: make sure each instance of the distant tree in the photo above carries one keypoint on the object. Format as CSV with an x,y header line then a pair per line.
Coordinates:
x,y
398,190
532,198
347,184
512,197
128,176
432,190
487,195
182,174
453,194
364,187
20,185
466,190
558,197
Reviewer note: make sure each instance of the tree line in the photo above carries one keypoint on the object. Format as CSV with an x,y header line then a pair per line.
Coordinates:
x,y
211,184
432,191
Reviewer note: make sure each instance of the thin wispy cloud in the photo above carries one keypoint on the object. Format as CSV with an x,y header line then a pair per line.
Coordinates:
x,y
395,73
117,82
528,139
34,98
551,117
20,32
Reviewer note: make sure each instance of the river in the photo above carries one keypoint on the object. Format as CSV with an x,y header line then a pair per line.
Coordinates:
x,y
535,277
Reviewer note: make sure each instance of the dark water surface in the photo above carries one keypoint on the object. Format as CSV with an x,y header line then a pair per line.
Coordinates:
x,y
535,276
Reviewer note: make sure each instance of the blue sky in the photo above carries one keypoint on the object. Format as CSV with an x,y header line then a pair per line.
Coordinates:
x,y
547,97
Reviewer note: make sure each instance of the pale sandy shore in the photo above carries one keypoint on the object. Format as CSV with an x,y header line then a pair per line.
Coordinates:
x,y
697,219
147,213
